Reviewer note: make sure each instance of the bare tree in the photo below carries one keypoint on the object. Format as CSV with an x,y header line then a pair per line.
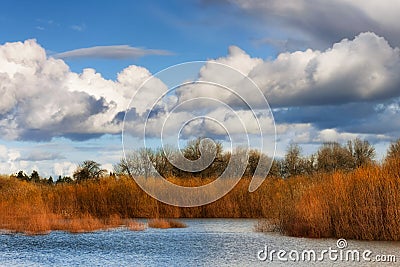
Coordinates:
x,y
136,163
362,151
203,155
293,161
277,168
309,164
88,169
161,160
332,157
393,151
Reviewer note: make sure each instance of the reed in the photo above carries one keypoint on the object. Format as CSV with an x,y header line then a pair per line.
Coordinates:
x,y
135,226
362,204
165,223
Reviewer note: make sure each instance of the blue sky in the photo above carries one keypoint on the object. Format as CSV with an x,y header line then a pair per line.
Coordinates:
x,y
189,29
328,69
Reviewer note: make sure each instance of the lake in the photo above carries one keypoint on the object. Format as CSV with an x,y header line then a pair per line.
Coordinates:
x,y
205,242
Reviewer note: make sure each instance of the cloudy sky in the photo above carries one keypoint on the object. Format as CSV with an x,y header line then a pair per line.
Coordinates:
x,y
68,71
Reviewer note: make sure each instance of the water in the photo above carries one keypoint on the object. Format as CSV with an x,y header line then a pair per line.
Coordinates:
x,y
206,242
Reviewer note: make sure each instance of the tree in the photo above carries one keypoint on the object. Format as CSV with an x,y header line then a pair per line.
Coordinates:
x,y
201,153
332,157
393,151
88,169
258,163
309,164
362,151
292,164
254,158
136,163
65,179
277,168
22,176
35,177
161,160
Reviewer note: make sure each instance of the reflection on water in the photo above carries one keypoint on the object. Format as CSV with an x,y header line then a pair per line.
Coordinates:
x,y
206,242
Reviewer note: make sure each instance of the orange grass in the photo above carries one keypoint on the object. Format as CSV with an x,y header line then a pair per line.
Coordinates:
x,y
363,204
135,226
165,223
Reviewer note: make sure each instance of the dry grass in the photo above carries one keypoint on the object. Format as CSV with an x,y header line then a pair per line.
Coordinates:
x,y
363,204
176,224
165,223
135,226
266,225
158,223
84,224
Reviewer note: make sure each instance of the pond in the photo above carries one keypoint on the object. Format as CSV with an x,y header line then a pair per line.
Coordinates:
x,y
205,242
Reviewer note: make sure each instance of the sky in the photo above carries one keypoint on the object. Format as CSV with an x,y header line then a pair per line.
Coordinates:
x,y
69,71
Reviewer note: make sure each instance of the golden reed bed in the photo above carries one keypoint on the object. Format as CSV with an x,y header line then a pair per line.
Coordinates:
x,y
362,204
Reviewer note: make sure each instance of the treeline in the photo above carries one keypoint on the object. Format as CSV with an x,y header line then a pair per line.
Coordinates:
x,y
330,157
87,170
146,162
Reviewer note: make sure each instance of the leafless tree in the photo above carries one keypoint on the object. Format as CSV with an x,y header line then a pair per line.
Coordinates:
x,y
332,157
293,161
394,150
362,151
88,169
136,163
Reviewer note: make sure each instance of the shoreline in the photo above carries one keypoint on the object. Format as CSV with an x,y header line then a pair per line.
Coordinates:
x,y
90,224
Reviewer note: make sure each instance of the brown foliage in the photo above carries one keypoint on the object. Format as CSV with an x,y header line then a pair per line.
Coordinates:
x,y
135,226
363,204
165,223
108,202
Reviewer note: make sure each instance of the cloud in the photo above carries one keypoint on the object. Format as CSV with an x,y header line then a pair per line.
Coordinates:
x,y
376,118
364,69
282,45
111,52
3,153
38,155
64,168
320,23
351,87
79,28
42,98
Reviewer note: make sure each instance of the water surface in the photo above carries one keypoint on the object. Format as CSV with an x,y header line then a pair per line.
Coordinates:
x,y
205,242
